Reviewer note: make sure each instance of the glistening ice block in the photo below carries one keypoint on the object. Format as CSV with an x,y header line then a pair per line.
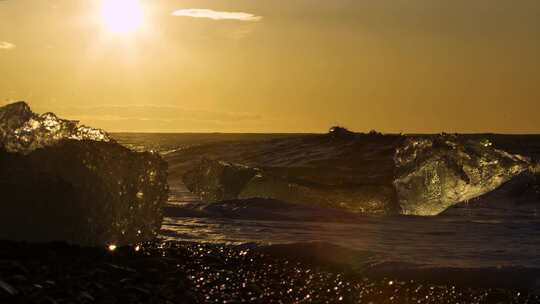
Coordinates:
x,y
60,181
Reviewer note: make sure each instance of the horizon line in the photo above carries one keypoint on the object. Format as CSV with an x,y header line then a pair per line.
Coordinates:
x,y
320,133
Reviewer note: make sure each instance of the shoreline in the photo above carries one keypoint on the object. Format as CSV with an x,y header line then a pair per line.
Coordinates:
x,y
183,272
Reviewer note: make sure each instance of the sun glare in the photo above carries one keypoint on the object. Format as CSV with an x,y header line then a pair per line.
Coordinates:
x,y
122,16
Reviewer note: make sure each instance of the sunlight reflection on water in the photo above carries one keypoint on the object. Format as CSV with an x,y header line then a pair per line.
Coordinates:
x,y
448,242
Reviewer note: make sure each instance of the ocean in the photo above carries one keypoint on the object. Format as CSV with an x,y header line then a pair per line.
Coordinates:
x,y
467,238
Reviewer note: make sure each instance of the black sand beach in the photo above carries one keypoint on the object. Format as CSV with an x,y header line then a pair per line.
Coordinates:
x,y
176,272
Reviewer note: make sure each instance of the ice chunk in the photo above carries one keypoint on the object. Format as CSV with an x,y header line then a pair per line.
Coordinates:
x,y
218,180
23,131
61,181
369,199
436,172
373,173
518,196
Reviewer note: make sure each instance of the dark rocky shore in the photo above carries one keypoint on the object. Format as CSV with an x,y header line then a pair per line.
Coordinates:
x,y
175,272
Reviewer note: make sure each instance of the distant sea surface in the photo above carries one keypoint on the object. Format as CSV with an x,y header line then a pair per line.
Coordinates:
x,y
169,142
465,240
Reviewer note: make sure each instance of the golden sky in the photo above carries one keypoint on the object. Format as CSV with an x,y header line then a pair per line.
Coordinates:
x,y
276,66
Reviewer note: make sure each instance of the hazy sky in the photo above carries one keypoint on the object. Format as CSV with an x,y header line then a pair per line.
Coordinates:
x,y
276,66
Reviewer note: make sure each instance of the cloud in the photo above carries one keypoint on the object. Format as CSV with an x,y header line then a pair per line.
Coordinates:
x,y
4,45
166,113
216,15
160,118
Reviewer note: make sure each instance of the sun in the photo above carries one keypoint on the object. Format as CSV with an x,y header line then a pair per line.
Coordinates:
x,y
122,16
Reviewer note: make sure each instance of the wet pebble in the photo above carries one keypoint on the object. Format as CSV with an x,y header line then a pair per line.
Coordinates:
x,y
175,272
8,289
